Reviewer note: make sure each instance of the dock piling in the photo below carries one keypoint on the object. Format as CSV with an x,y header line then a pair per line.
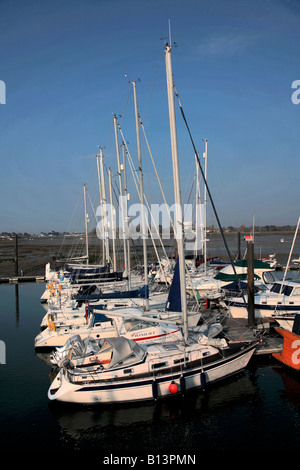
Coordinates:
x,y
250,279
16,256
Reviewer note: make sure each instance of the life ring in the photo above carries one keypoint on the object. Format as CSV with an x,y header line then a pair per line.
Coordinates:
x,y
51,326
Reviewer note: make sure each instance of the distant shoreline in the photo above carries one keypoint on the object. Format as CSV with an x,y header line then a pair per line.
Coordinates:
x,y
243,230
35,253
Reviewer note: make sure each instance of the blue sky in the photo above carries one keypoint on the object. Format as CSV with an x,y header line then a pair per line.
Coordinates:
x,y
64,65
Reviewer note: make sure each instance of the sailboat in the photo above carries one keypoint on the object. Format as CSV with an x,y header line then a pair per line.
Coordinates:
x,y
206,285
78,272
73,311
147,327
280,302
100,325
128,371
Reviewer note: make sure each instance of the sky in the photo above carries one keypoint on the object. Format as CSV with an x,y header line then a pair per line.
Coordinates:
x,y
67,67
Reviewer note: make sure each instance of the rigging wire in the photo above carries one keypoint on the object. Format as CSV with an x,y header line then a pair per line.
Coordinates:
x,y
115,190
149,229
208,190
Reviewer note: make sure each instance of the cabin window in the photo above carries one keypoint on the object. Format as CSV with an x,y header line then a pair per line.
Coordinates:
x,y
160,364
135,325
169,347
206,353
287,290
179,361
275,288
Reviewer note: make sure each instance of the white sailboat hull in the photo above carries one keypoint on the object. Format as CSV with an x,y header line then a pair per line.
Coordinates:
x,y
239,309
147,387
76,316
108,327
59,340
282,300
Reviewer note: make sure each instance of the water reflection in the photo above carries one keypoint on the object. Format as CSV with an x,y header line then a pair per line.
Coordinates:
x,y
180,412
240,413
17,304
43,356
291,381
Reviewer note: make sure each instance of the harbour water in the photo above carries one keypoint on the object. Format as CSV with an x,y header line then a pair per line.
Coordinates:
x,y
251,411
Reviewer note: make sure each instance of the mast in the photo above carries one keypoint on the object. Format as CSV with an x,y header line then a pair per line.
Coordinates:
x,y
86,227
112,221
205,204
100,202
144,234
198,213
288,263
121,194
178,207
290,254
103,192
126,214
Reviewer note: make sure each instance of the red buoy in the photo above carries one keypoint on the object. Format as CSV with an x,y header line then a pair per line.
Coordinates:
x,y
173,387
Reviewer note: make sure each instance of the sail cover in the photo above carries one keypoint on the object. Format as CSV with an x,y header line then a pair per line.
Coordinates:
x,y
174,298
123,349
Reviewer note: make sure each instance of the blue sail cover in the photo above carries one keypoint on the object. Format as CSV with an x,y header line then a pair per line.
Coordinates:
x,y
174,298
99,318
142,292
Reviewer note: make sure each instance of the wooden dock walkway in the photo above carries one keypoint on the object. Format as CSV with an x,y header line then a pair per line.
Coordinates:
x,y
238,330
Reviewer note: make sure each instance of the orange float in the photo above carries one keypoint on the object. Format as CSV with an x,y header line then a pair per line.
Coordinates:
x,y
290,354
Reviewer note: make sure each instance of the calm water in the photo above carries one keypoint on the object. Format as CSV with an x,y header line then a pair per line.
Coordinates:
x,y
258,410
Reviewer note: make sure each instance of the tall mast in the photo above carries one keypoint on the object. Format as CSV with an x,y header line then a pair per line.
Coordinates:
x,y
112,221
126,194
86,227
121,195
176,179
103,191
205,203
199,217
144,233
100,202
290,254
